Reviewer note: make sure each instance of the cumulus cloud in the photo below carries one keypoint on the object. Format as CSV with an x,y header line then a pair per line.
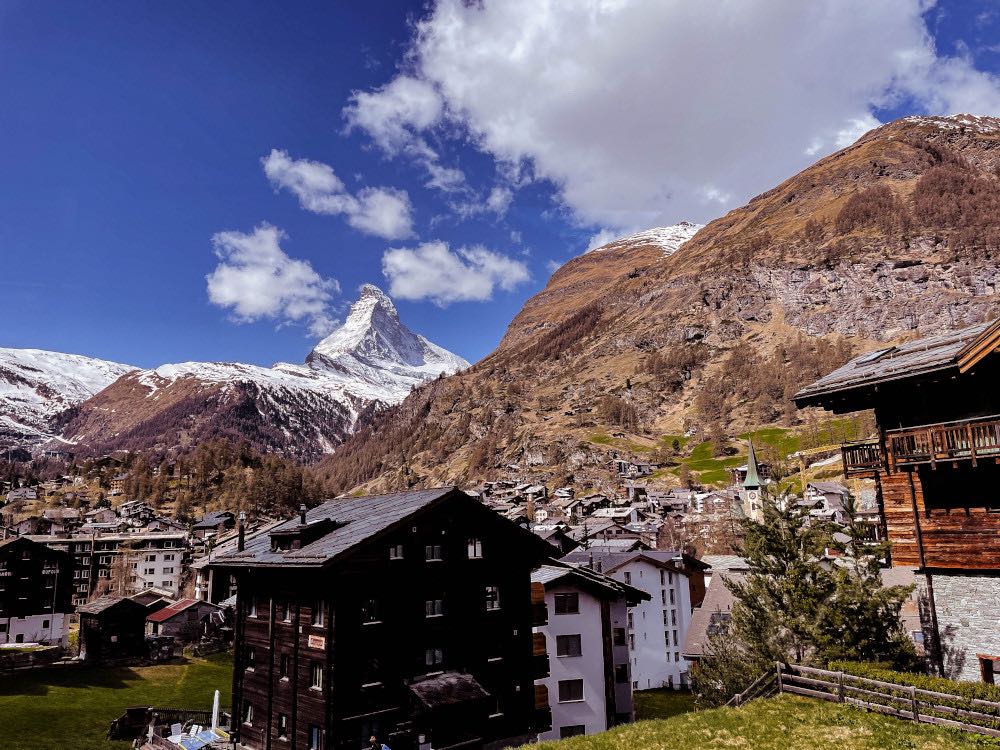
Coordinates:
x,y
435,272
394,116
383,212
644,113
256,280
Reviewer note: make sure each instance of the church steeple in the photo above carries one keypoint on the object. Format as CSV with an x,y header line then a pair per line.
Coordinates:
x,y
752,504
752,480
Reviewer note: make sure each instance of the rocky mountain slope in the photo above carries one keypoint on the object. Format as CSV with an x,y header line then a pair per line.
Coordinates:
x,y
373,360
893,237
35,385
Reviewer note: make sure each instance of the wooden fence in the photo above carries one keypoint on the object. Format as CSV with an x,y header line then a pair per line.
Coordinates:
x,y
903,701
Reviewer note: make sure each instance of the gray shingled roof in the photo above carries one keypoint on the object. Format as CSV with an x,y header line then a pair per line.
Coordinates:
x,y
918,357
587,579
718,599
358,519
606,562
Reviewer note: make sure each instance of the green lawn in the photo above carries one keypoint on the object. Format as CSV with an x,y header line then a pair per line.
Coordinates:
x,y
72,708
784,723
662,704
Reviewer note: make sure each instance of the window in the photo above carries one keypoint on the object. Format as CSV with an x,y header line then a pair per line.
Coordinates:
x,y
432,552
631,641
675,639
989,666
45,624
568,645
567,604
573,730
167,584
251,657
475,549
666,619
84,574
371,675
492,598
673,617
631,621
570,691
433,657
663,578
315,737
628,578
282,727
105,573
434,607
168,558
316,676
253,606
663,596
168,571
396,552
283,667
677,655
670,579
621,673
672,597
145,572
369,611
318,613
284,612
619,636
248,714
104,560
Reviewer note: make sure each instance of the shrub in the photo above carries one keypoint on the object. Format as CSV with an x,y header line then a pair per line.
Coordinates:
x,y
883,672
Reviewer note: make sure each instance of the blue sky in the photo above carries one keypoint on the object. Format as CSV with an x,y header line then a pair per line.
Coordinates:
x,y
453,155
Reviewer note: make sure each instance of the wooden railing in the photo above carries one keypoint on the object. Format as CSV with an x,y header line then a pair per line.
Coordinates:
x,y
903,701
862,458
967,440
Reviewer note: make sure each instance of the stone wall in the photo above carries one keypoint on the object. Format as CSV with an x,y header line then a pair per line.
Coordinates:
x,y
968,610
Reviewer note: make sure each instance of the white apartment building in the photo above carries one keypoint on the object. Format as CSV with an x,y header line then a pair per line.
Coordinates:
x,y
656,628
589,683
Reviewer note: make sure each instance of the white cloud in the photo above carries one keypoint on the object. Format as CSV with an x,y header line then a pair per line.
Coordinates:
x,y
256,280
435,272
602,238
646,113
383,212
498,201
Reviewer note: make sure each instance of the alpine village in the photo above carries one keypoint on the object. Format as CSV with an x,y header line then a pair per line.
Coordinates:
x,y
728,484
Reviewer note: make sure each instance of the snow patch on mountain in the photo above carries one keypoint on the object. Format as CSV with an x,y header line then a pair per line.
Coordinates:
x,y
35,385
977,123
668,239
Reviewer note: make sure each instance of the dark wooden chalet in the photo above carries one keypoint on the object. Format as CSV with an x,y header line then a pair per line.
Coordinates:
x,y
936,461
112,628
406,616
35,592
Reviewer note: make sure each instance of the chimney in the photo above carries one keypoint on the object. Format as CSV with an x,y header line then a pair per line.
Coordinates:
x,y
241,543
302,514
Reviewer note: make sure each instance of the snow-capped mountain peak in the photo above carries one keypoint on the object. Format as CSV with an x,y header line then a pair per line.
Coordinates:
x,y
35,385
374,346
668,239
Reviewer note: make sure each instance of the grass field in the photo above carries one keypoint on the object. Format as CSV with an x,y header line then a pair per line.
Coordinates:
x,y
784,723
662,704
72,708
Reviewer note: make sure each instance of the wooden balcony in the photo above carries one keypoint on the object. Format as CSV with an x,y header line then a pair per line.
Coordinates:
x,y
968,440
862,459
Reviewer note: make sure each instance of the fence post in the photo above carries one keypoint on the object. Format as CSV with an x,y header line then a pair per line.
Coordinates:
x,y
840,687
777,666
913,700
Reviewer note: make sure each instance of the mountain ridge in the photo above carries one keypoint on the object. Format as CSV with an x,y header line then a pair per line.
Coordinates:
x,y
892,237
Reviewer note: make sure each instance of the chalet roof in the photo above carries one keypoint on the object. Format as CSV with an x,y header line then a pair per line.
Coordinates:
x,y
177,608
607,562
105,603
448,689
597,583
718,601
213,519
956,350
725,562
829,488
356,520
